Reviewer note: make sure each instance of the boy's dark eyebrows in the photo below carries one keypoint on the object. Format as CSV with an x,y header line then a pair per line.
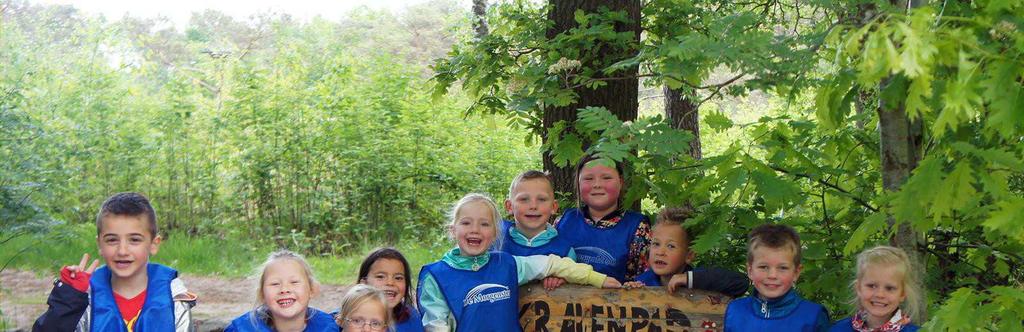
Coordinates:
x,y
115,235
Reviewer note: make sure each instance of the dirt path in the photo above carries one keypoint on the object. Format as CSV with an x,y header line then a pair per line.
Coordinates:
x,y
23,298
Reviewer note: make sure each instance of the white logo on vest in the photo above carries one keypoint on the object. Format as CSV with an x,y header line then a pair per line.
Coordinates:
x,y
475,295
594,255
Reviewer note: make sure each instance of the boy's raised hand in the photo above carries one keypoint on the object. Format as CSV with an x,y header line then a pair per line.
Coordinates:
x,y
610,282
78,275
678,280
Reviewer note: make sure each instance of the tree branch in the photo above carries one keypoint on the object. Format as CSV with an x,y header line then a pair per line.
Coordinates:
x,y
837,188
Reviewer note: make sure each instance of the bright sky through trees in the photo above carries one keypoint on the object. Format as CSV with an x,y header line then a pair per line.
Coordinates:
x,y
179,11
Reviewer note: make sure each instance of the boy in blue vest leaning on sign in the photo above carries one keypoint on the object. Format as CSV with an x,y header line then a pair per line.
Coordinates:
x,y
670,257
773,265
128,293
476,289
531,202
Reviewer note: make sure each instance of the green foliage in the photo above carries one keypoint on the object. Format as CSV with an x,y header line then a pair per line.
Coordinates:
x,y
317,136
46,253
814,162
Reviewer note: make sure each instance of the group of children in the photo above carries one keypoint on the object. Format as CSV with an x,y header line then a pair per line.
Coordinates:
x,y
474,286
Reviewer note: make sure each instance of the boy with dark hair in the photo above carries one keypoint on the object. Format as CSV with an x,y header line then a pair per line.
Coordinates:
x,y
128,293
773,265
669,258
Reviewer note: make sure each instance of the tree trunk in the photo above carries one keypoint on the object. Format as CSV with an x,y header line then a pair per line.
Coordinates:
x,y
480,18
900,141
900,147
618,96
859,107
682,114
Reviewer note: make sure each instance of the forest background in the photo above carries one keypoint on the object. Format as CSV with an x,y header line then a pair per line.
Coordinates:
x,y
857,122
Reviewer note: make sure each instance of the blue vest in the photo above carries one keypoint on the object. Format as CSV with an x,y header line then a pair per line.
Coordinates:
x,y
484,300
846,325
319,321
649,278
607,250
414,323
557,246
797,315
157,311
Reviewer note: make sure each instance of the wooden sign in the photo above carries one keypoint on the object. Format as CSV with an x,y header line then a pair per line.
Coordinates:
x,y
573,308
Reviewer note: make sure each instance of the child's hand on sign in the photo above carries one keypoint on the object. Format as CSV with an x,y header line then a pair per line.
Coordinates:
x,y
633,284
610,282
550,283
78,275
678,280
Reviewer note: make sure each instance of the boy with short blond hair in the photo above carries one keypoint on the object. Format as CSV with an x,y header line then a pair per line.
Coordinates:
x,y
128,293
531,202
669,259
773,265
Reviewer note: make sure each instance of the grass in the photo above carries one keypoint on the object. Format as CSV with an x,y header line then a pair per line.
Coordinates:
x,y
206,256
344,270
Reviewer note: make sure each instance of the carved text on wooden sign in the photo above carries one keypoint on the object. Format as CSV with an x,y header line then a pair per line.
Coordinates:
x,y
573,308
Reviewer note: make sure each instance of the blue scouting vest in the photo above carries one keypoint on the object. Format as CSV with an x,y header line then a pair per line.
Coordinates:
x,y
318,321
607,250
846,325
414,323
157,312
789,313
557,246
483,300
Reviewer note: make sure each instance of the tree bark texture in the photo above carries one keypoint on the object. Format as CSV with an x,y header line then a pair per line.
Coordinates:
x,y
619,96
901,141
900,146
682,114
480,18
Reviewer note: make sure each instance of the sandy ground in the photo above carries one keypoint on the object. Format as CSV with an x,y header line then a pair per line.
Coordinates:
x,y
23,298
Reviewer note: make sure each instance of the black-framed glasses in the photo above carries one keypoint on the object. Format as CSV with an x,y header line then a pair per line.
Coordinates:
x,y
375,325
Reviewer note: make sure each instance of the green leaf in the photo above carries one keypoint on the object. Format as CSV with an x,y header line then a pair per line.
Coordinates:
x,y
596,119
1006,97
1007,219
717,121
709,239
961,98
995,183
581,17
832,102
962,301
612,150
564,147
777,193
909,202
917,48
918,94
955,191
995,6
872,225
